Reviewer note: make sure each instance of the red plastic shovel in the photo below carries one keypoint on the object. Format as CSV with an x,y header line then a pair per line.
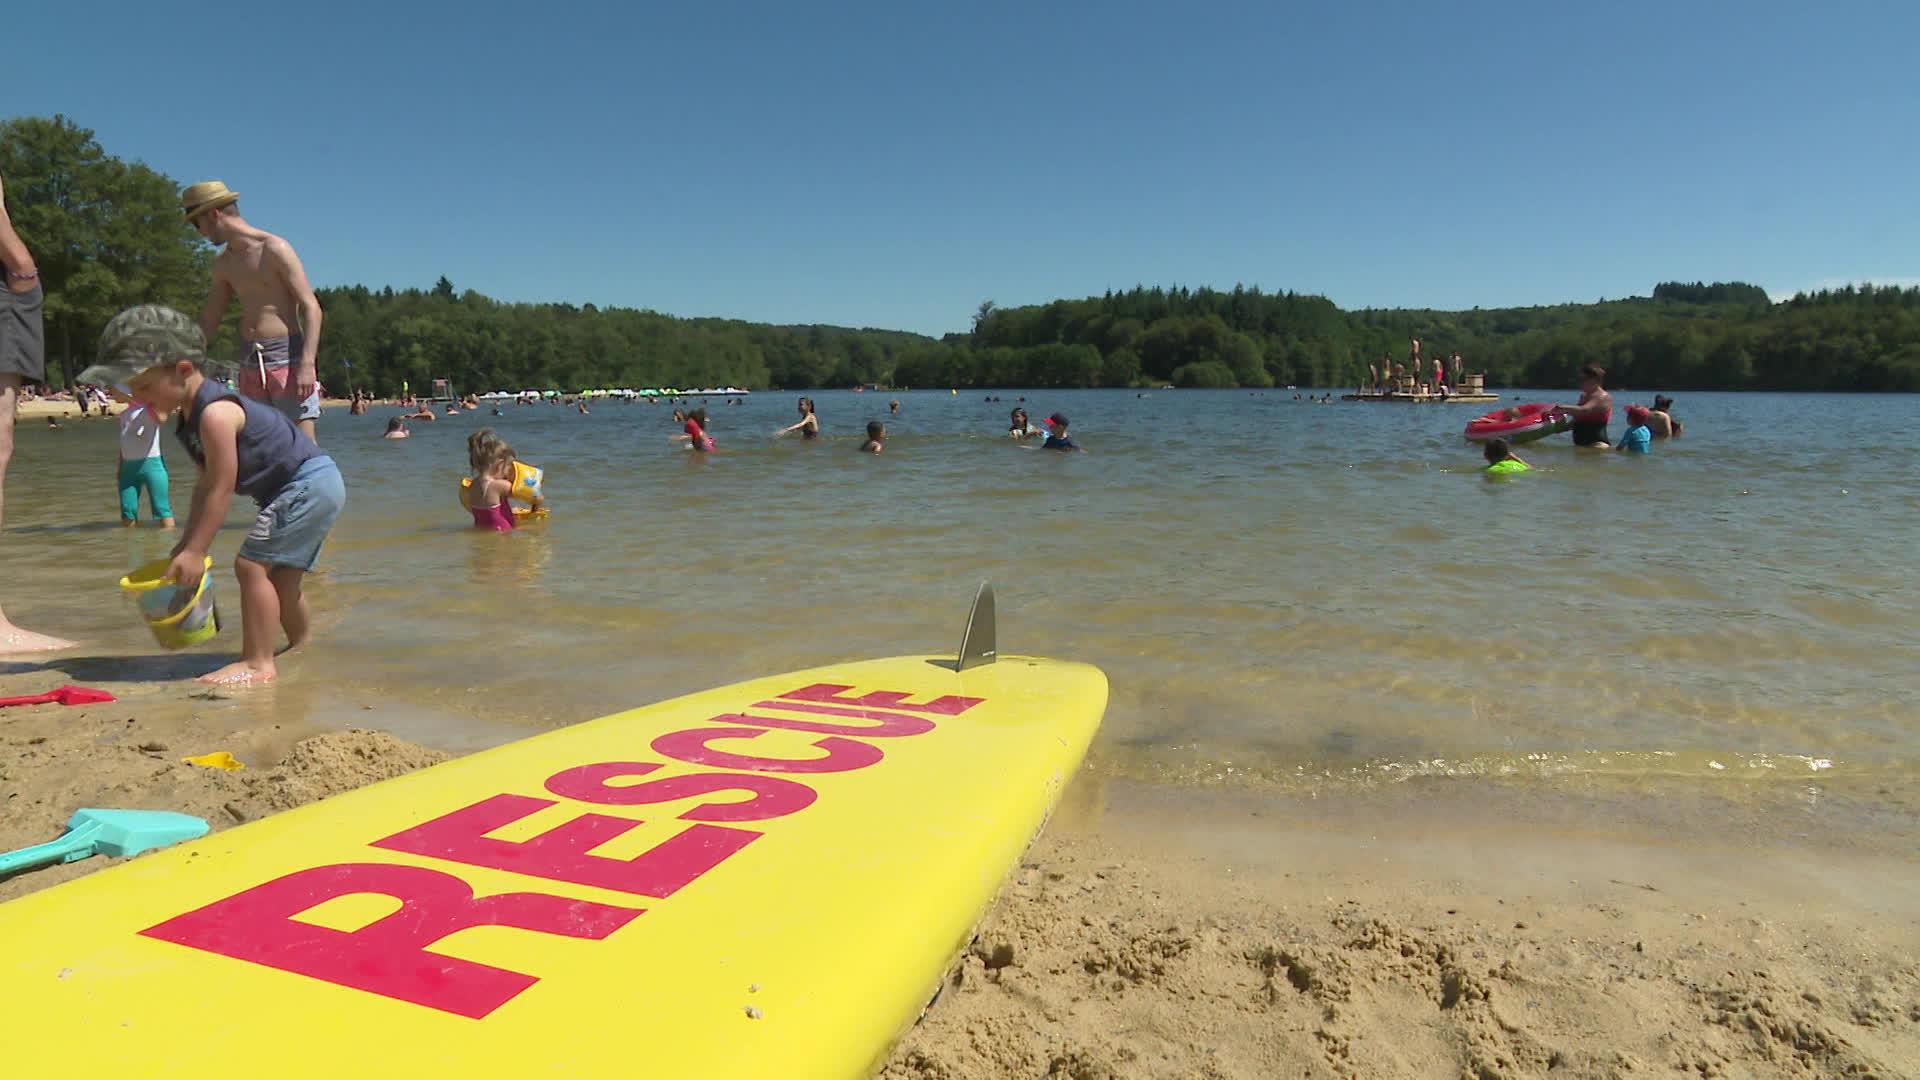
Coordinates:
x,y
65,695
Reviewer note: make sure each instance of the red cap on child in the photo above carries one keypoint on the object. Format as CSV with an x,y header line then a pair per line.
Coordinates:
x,y
1636,414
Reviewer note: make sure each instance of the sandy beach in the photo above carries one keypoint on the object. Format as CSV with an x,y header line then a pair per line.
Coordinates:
x,y
41,408
1166,932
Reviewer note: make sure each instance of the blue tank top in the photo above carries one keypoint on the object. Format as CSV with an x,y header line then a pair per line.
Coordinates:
x,y
270,449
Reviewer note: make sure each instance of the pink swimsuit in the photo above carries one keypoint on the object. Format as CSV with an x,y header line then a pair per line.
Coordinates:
x,y
498,517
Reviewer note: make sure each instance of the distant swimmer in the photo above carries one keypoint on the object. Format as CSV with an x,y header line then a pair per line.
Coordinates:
x,y
1502,459
421,412
1637,439
695,432
1594,409
894,406
808,425
876,438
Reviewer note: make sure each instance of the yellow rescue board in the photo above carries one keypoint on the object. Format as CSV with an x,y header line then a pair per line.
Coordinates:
x,y
765,880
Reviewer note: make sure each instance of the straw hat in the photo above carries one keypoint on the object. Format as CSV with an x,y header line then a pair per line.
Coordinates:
x,y
204,196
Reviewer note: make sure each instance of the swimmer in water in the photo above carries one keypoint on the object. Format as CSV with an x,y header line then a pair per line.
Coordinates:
x,y
1498,453
1637,439
809,425
1019,427
491,460
894,406
876,438
1057,437
396,428
695,432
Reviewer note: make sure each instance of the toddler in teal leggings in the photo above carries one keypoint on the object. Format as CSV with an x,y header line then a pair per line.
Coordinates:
x,y
142,467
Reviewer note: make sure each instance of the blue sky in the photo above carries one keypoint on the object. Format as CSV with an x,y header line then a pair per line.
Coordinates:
x,y
895,164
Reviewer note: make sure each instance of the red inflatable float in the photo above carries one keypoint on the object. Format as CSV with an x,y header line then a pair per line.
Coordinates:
x,y
1519,424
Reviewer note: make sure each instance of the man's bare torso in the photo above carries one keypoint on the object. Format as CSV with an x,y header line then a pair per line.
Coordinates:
x,y
254,268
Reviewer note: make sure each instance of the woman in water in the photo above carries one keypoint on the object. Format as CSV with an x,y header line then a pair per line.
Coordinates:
x,y
809,425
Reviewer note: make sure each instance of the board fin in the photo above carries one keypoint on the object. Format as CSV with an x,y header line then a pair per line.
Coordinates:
x,y
977,645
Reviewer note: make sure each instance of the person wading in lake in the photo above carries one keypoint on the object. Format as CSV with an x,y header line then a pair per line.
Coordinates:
x,y
277,356
23,359
1591,413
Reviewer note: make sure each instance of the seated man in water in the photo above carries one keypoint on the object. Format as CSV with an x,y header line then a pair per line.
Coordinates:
x,y
1660,419
1591,413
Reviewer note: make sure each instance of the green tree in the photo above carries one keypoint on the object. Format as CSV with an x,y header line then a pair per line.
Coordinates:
x,y
107,234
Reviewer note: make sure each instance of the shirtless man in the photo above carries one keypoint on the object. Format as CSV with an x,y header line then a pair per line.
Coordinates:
x,y
277,355
1594,409
23,359
1660,419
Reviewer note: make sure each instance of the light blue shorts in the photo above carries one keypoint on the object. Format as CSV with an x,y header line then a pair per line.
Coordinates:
x,y
291,528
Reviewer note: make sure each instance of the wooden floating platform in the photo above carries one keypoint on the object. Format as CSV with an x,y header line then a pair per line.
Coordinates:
x,y
1425,399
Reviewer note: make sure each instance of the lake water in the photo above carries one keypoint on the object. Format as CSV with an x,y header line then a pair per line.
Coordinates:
x,y
1300,597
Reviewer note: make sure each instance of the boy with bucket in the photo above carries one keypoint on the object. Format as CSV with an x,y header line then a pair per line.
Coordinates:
x,y
156,355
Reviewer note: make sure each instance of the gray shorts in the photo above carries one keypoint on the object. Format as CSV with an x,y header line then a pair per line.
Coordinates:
x,y
23,342
291,528
266,374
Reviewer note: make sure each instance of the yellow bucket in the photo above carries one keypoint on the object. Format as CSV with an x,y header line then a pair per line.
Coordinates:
x,y
178,618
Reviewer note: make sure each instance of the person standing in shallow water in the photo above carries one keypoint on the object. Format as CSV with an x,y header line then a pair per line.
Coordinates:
x,y
279,313
1594,409
809,424
23,360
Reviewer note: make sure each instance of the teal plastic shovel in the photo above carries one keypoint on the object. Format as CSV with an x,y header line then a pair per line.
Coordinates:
x,y
107,832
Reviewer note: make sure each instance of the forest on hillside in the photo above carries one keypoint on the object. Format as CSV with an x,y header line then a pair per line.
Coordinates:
x,y
108,234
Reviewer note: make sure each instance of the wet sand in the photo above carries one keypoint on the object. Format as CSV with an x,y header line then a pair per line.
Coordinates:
x,y
1158,930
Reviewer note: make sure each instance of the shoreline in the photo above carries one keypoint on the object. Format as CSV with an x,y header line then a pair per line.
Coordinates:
x,y
1423,929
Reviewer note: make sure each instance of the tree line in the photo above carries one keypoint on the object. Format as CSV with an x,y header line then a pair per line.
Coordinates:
x,y
109,234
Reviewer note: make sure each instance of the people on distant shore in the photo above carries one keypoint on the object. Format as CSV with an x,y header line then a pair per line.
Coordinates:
x,y
279,313
1592,412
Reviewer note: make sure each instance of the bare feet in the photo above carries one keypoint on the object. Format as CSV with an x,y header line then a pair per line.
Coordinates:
x,y
15,640
240,673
